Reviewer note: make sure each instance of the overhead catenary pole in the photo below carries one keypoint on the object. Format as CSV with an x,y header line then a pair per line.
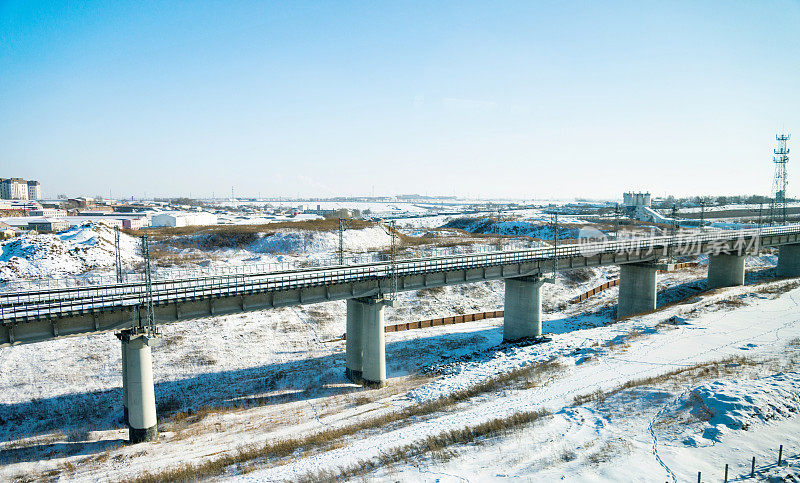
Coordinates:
x,y
674,231
341,241
393,229
149,322
703,212
117,255
555,244
499,239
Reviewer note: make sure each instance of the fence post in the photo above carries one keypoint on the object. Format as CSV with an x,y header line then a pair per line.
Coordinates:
x,y
726,472
753,468
698,477
780,455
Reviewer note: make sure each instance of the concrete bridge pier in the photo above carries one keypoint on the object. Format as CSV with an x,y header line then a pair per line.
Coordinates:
x,y
637,289
373,343
522,308
725,270
353,344
138,387
789,260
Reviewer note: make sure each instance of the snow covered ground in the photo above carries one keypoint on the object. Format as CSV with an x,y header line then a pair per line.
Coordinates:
x,y
80,249
227,383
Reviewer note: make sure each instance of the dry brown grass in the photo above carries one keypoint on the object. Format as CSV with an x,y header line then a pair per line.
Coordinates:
x,y
430,292
161,233
440,444
330,437
167,257
602,454
727,366
777,289
730,303
578,276
623,341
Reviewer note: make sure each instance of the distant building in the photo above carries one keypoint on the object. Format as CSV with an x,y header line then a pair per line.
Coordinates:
x,y
13,189
134,223
180,218
48,225
48,213
319,211
82,202
112,222
637,205
6,231
34,190
636,199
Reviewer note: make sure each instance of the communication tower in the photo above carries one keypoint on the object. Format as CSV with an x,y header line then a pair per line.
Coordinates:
x,y
777,209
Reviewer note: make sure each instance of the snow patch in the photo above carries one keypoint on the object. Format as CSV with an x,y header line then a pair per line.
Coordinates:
x,y
737,404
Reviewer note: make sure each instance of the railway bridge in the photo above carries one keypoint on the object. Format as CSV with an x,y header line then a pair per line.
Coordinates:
x,y
39,315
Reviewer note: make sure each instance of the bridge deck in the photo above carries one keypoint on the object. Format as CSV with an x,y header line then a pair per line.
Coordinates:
x,y
37,315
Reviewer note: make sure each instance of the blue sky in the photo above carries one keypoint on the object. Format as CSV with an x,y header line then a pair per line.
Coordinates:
x,y
483,99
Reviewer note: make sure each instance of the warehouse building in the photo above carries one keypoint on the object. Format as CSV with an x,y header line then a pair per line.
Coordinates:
x,y
49,225
181,218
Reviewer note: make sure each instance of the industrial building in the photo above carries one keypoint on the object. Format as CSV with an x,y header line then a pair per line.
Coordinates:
x,y
631,199
637,205
48,213
49,225
135,223
181,218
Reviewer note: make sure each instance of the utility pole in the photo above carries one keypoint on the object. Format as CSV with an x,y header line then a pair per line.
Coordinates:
x,y
117,254
616,221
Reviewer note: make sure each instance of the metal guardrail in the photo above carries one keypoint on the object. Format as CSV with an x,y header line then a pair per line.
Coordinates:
x,y
42,303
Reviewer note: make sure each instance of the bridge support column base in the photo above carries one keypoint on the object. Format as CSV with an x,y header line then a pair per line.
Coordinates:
x,y
637,289
725,270
142,435
353,342
373,342
789,260
523,308
140,389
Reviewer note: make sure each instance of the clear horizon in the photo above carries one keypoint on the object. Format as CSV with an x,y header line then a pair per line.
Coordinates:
x,y
510,100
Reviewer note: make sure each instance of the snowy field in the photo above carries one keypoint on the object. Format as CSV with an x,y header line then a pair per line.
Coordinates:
x,y
709,379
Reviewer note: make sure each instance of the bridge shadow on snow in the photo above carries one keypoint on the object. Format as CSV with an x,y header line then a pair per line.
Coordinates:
x,y
46,451
269,384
